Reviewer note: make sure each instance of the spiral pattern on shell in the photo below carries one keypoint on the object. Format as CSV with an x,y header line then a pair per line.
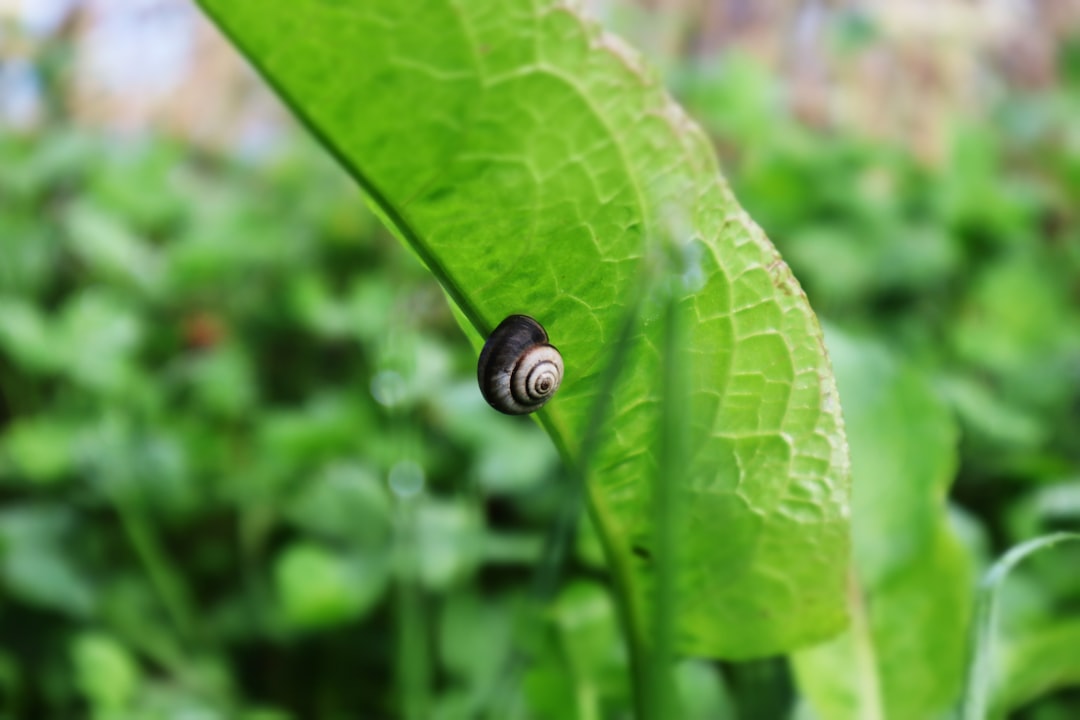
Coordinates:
x,y
519,370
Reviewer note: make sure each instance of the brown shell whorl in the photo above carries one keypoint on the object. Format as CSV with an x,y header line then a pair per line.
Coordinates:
x,y
519,370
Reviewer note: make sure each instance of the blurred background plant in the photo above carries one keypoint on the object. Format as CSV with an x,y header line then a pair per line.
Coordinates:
x,y
245,471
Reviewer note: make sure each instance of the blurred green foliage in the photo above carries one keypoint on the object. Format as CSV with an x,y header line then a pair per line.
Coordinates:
x,y
210,368
243,461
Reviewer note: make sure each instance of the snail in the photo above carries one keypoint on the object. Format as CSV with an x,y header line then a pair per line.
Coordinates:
x,y
519,370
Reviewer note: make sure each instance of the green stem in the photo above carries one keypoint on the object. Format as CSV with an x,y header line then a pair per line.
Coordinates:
x,y
630,615
629,612
666,485
413,676
162,575
866,665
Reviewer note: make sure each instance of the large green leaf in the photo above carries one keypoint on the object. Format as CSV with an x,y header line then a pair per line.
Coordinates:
x,y
536,167
904,654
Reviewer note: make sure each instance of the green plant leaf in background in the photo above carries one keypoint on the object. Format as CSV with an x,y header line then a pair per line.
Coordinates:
x,y
536,167
1045,670
107,673
904,655
1039,663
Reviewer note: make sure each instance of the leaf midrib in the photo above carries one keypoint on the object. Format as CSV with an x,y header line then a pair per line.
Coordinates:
x,y
390,211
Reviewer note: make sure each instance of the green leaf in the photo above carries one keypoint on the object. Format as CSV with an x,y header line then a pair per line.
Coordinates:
x,y
474,642
320,588
106,673
223,380
1040,662
449,539
535,166
979,669
27,336
904,655
39,449
100,335
107,246
36,563
344,501
588,632
579,670
702,691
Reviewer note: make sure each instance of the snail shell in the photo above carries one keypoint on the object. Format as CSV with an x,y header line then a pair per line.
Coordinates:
x,y
519,370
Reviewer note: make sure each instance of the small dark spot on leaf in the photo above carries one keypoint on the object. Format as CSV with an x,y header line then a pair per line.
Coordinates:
x,y
641,552
781,276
